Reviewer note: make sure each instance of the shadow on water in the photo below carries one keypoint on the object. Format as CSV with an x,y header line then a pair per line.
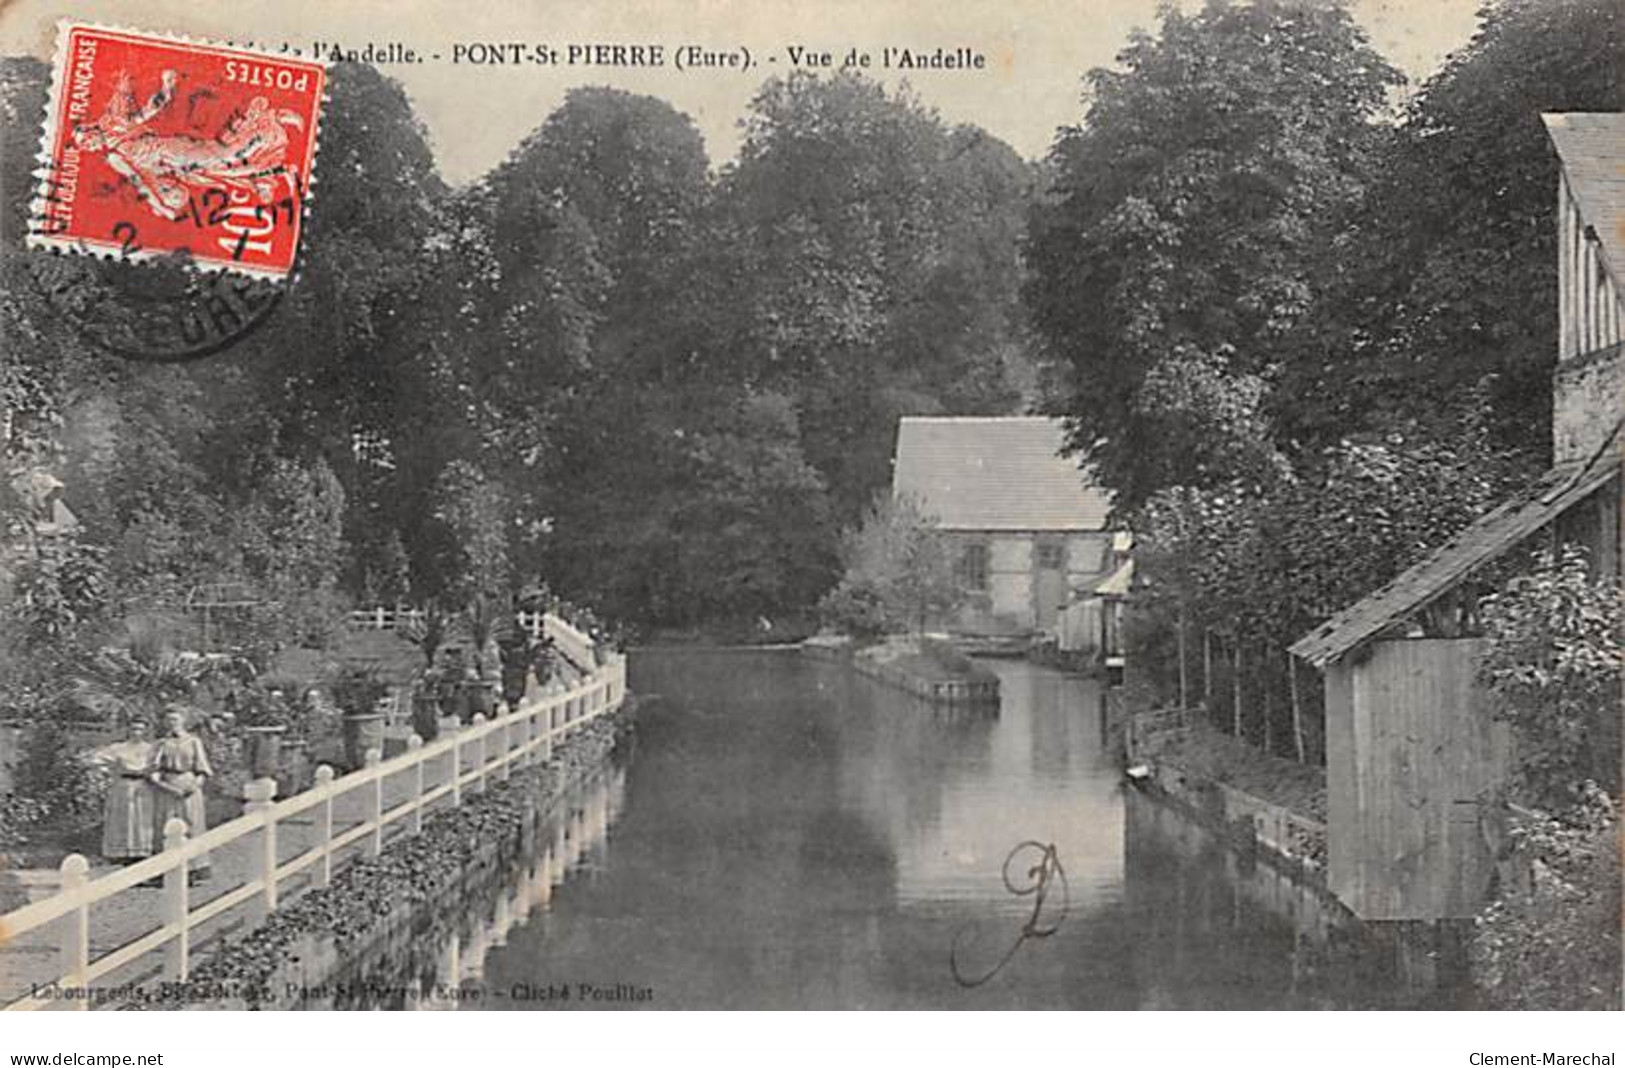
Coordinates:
x,y
786,834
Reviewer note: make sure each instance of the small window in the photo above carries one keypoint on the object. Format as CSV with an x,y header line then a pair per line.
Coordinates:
x,y
1051,556
973,567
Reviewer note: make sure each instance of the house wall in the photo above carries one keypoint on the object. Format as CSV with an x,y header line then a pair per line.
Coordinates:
x,y
1586,402
1590,309
1010,578
1009,603
1590,376
1413,757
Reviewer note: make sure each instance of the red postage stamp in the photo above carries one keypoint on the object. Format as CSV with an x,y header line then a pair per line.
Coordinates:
x,y
156,146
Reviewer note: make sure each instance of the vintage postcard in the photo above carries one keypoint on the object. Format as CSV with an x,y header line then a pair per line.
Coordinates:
x,y
738,504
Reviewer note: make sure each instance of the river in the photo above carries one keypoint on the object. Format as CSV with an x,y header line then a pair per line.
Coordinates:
x,y
785,834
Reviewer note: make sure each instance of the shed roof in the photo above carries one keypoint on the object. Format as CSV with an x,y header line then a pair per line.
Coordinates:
x,y
1492,534
996,473
1591,145
1118,583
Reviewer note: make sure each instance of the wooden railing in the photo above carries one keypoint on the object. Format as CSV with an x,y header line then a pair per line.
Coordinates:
x,y
571,641
1142,727
521,737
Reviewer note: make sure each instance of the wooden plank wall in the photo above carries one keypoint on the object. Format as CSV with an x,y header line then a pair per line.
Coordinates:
x,y
1588,298
1417,758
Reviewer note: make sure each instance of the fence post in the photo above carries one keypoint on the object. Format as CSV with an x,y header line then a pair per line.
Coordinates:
x,y
480,752
507,747
75,928
324,826
177,965
456,767
375,807
413,745
259,796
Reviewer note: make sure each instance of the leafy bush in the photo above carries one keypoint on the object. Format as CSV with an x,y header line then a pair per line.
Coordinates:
x,y
1554,673
58,795
1551,939
899,572
1554,942
358,690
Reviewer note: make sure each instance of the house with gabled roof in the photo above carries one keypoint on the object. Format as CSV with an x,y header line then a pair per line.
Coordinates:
x,y
1028,530
1413,756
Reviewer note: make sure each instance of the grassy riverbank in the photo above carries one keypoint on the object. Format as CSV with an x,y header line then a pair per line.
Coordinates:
x,y
1203,751
930,659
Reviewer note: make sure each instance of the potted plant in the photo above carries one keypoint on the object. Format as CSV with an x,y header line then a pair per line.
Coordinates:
x,y
265,717
426,703
485,624
358,692
514,652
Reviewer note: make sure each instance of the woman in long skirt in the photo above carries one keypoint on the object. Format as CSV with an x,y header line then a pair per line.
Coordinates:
x,y
127,828
178,768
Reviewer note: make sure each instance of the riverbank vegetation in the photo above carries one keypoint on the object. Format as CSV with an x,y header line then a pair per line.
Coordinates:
x,y
606,374
1551,938
1302,325
1305,334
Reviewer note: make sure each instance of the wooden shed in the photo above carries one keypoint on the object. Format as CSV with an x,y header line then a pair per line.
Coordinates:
x,y
1413,757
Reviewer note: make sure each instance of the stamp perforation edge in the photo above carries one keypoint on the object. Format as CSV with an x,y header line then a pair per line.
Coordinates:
x,y
110,251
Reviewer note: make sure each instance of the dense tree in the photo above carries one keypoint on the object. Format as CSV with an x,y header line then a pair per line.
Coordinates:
x,y
1445,314
880,255
1190,231
1259,568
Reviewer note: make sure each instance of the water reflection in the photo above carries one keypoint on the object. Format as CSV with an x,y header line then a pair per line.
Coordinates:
x,y
785,834
798,836
580,823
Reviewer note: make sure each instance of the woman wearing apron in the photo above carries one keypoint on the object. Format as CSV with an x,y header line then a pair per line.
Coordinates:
x,y
128,828
178,770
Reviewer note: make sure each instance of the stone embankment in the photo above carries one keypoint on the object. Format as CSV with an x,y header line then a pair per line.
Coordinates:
x,y
928,669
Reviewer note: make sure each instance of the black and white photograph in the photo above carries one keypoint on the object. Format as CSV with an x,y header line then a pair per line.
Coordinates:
x,y
725,505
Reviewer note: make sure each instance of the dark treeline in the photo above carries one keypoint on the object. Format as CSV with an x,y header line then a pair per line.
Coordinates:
x,y
658,387
663,387
1306,333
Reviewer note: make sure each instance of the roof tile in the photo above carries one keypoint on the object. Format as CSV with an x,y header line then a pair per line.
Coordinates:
x,y
1591,145
996,473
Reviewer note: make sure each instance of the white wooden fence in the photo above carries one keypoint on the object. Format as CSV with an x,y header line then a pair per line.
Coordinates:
x,y
520,737
577,647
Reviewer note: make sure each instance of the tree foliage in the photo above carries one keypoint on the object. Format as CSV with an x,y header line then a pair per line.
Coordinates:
x,y
1554,672
1445,313
1191,230
899,572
